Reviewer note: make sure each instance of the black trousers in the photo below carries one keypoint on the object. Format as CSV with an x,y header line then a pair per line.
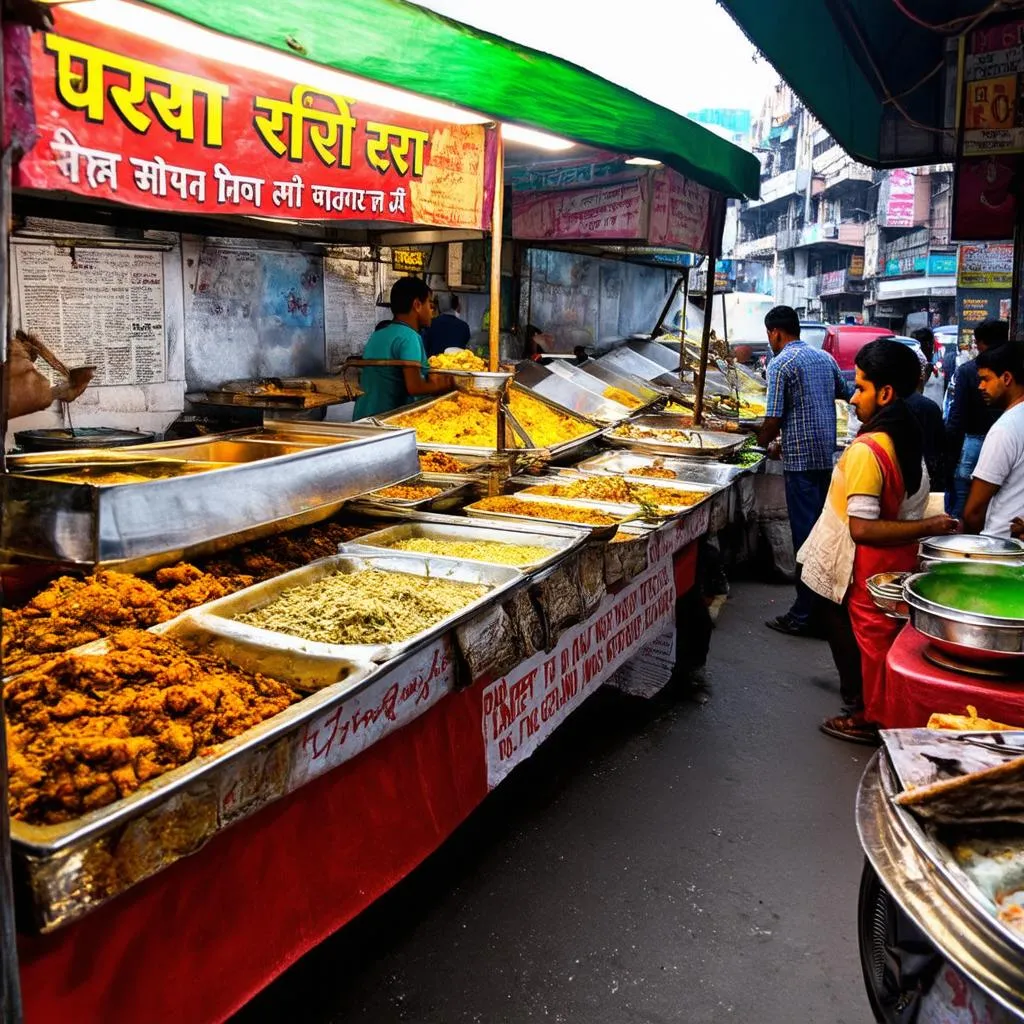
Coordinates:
x,y
835,620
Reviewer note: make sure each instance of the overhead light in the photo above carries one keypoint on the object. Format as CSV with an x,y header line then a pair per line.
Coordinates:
x,y
539,140
643,161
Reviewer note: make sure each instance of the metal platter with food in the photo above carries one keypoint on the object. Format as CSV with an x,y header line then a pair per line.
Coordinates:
x,y
624,491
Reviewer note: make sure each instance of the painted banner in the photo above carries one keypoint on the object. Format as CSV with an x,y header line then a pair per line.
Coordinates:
x,y
128,119
398,697
660,209
523,708
985,265
612,212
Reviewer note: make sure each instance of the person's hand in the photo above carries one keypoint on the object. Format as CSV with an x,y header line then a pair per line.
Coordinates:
x,y
937,526
1017,528
775,450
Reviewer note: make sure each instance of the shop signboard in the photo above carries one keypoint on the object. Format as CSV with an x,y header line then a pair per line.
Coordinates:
x,y
833,282
857,265
610,212
942,264
973,305
899,200
128,119
985,265
991,130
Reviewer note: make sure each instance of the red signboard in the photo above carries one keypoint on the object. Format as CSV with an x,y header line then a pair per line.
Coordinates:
x,y
660,208
129,119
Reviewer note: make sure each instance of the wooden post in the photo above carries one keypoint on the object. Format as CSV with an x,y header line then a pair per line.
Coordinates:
x,y
10,988
686,302
709,301
496,230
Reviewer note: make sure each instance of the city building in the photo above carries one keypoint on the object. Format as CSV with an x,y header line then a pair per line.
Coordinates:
x,y
835,239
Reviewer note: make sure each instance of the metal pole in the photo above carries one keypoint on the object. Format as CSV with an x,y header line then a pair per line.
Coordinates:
x,y
686,302
10,989
709,301
725,322
496,230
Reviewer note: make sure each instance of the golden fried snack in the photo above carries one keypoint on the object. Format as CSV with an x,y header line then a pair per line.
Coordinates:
x,y
545,510
441,462
87,729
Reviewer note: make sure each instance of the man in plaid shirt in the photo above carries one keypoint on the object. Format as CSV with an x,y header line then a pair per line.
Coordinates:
x,y
803,384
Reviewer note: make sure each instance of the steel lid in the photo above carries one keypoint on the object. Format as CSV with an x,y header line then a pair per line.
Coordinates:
x,y
965,546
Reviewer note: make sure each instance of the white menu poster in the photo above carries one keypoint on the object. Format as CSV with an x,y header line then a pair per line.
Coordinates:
x,y
95,307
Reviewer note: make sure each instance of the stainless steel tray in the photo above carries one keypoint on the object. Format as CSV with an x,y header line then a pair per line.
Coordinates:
x,y
455,489
662,355
66,870
604,376
270,486
626,463
566,476
593,532
709,444
558,384
219,617
626,360
559,543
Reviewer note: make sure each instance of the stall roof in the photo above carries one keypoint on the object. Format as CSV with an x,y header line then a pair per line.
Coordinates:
x,y
876,74
411,48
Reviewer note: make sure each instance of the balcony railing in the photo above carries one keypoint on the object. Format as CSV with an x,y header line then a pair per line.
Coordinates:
x,y
753,248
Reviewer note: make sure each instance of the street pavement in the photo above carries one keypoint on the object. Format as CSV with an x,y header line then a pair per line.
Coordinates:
x,y
692,859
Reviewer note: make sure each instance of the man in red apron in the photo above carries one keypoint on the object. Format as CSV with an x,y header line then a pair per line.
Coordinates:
x,y
880,488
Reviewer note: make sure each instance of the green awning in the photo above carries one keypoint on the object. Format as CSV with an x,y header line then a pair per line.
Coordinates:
x,y
411,48
832,52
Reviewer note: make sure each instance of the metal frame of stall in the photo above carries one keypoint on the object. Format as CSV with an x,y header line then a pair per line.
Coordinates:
x,y
10,1001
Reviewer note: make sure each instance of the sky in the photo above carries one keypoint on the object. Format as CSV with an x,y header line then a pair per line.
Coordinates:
x,y
685,55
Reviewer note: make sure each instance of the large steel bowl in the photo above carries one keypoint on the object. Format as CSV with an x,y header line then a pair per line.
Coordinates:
x,y
959,625
966,547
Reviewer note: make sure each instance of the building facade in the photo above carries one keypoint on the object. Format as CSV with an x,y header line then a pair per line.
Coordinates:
x,y
835,239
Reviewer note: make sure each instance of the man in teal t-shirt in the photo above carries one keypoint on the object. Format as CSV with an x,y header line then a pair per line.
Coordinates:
x,y
390,387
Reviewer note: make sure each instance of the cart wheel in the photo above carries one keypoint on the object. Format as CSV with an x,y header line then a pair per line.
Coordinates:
x,y
898,961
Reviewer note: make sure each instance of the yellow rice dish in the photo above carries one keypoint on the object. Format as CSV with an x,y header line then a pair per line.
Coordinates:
x,y
492,551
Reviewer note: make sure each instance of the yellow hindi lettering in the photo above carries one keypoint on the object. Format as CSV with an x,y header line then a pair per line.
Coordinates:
x,y
387,146
330,130
81,85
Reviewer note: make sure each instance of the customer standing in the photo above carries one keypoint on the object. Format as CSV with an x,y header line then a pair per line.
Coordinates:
x,y
803,384
448,330
969,418
997,490
872,523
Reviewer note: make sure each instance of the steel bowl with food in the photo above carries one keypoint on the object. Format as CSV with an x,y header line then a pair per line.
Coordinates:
x,y
971,610
886,590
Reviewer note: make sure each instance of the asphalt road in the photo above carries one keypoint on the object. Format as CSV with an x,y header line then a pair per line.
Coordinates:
x,y
689,860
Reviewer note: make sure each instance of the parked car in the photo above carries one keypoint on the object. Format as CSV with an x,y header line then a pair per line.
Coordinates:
x,y
844,341
813,332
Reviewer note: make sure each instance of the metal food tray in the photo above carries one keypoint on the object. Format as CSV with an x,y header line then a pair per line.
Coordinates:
x,y
563,476
664,356
626,360
478,381
559,542
560,385
219,617
594,532
712,443
604,376
65,870
626,463
455,488
269,486
510,449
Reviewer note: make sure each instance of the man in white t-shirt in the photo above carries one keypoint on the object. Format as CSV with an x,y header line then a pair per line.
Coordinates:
x,y
997,487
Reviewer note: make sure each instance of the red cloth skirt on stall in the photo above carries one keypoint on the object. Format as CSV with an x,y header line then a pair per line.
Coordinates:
x,y
874,630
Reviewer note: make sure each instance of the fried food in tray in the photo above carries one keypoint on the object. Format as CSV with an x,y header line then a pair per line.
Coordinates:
x,y
441,462
623,397
371,606
470,421
464,359
84,730
544,510
407,492
71,612
620,491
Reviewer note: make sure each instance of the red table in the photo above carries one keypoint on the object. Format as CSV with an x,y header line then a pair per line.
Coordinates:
x,y
197,941
915,688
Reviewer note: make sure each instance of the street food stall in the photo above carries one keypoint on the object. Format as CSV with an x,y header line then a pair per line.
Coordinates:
x,y
254,677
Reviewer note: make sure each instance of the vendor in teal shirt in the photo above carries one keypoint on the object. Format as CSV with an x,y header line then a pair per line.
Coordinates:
x,y
390,387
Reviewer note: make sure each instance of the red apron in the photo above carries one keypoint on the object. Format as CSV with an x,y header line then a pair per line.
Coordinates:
x,y
874,630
